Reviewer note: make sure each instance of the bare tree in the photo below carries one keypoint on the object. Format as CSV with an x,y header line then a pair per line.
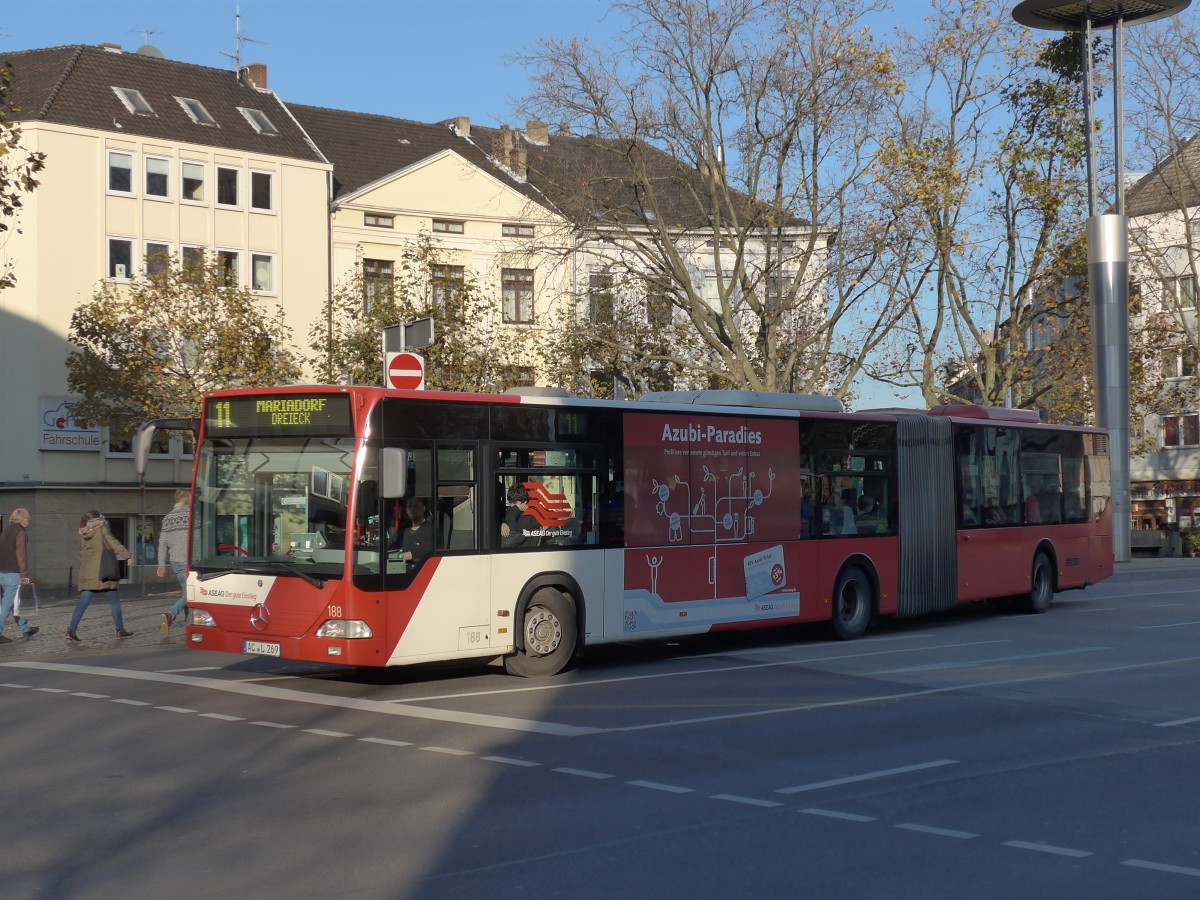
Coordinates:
x,y
725,177
18,166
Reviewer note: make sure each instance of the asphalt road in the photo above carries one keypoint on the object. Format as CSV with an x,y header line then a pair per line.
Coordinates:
x,y
977,754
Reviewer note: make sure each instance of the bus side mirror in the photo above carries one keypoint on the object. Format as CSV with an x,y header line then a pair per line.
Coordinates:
x,y
393,480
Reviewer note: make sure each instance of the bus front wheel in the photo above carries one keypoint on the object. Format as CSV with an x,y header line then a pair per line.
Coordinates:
x,y
548,635
853,604
1041,585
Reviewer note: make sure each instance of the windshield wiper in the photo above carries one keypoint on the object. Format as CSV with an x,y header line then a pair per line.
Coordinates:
x,y
271,566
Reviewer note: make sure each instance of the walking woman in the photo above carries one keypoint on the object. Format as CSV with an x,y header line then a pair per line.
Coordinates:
x,y
94,536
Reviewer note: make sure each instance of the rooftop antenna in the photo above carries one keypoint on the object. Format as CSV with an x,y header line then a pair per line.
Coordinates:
x,y
236,55
145,33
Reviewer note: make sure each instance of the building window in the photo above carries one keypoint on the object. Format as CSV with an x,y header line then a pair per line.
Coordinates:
x,y
600,297
1179,363
158,176
258,121
120,172
1182,290
1181,431
515,376
375,220
511,230
229,265
120,258
192,260
262,273
261,191
377,280
134,101
196,111
446,226
447,283
157,259
517,289
193,182
227,186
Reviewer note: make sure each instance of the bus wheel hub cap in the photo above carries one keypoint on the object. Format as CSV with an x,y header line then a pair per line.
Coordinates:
x,y
543,632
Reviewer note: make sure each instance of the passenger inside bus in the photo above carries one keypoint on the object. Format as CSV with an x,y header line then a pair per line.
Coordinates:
x,y
514,530
869,520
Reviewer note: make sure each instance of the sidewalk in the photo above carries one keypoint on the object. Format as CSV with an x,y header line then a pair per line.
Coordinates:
x,y
140,612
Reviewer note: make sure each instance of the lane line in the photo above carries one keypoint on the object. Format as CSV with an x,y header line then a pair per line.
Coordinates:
x,y
1161,867
279,725
274,693
902,695
509,761
90,695
1049,848
323,733
449,751
834,814
583,773
868,776
1172,625
940,832
130,702
970,664
659,786
386,742
749,801
222,717
49,690
814,660
175,709
11,685
192,669
1177,722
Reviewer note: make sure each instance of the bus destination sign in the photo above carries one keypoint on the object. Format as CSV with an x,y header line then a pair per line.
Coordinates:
x,y
320,415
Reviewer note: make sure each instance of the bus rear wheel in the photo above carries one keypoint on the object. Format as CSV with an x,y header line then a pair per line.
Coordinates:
x,y
548,633
853,604
1041,585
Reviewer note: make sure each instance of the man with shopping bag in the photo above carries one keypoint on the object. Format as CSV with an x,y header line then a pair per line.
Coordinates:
x,y
14,570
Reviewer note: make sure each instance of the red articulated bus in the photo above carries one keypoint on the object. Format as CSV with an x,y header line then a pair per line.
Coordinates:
x,y
373,527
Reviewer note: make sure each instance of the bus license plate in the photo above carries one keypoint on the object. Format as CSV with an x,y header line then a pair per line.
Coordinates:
x,y
261,648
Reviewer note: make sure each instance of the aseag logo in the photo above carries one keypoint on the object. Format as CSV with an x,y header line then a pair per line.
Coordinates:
x,y
549,510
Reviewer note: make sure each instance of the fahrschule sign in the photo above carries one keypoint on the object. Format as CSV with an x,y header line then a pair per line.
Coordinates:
x,y
61,432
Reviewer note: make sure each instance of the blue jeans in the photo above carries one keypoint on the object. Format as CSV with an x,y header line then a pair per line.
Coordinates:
x,y
180,570
9,582
114,597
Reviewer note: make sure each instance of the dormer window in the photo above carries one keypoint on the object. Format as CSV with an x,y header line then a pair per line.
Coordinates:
x,y
258,121
134,101
196,111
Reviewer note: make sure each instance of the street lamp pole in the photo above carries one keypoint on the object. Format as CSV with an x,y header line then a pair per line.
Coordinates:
x,y
1107,235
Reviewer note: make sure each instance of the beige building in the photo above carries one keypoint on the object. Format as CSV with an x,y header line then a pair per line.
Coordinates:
x,y
144,156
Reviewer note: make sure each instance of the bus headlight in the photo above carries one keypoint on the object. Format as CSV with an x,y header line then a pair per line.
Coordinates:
x,y
345,628
200,618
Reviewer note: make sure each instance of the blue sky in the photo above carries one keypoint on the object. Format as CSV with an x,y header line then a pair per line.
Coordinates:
x,y
426,60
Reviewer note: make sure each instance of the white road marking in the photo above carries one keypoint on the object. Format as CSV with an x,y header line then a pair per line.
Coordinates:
x,y
274,693
222,717
1095,609
449,751
177,709
46,690
192,669
750,801
1048,848
813,660
89,695
1177,722
385,741
509,761
834,814
903,695
280,725
11,685
323,733
659,786
583,773
940,832
1161,867
868,776
130,702
1172,625
970,664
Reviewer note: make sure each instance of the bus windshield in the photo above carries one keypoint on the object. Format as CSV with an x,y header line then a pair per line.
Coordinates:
x,y
275,505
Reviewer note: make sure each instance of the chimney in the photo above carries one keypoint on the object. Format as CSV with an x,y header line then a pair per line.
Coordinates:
x,y
255,75
111,48
537,132
462,124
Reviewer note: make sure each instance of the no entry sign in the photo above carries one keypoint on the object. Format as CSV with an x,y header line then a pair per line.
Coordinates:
x,y
405,371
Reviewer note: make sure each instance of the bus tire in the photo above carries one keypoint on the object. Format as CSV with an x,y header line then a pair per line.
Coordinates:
x,y
853,604
548,636
1041,585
